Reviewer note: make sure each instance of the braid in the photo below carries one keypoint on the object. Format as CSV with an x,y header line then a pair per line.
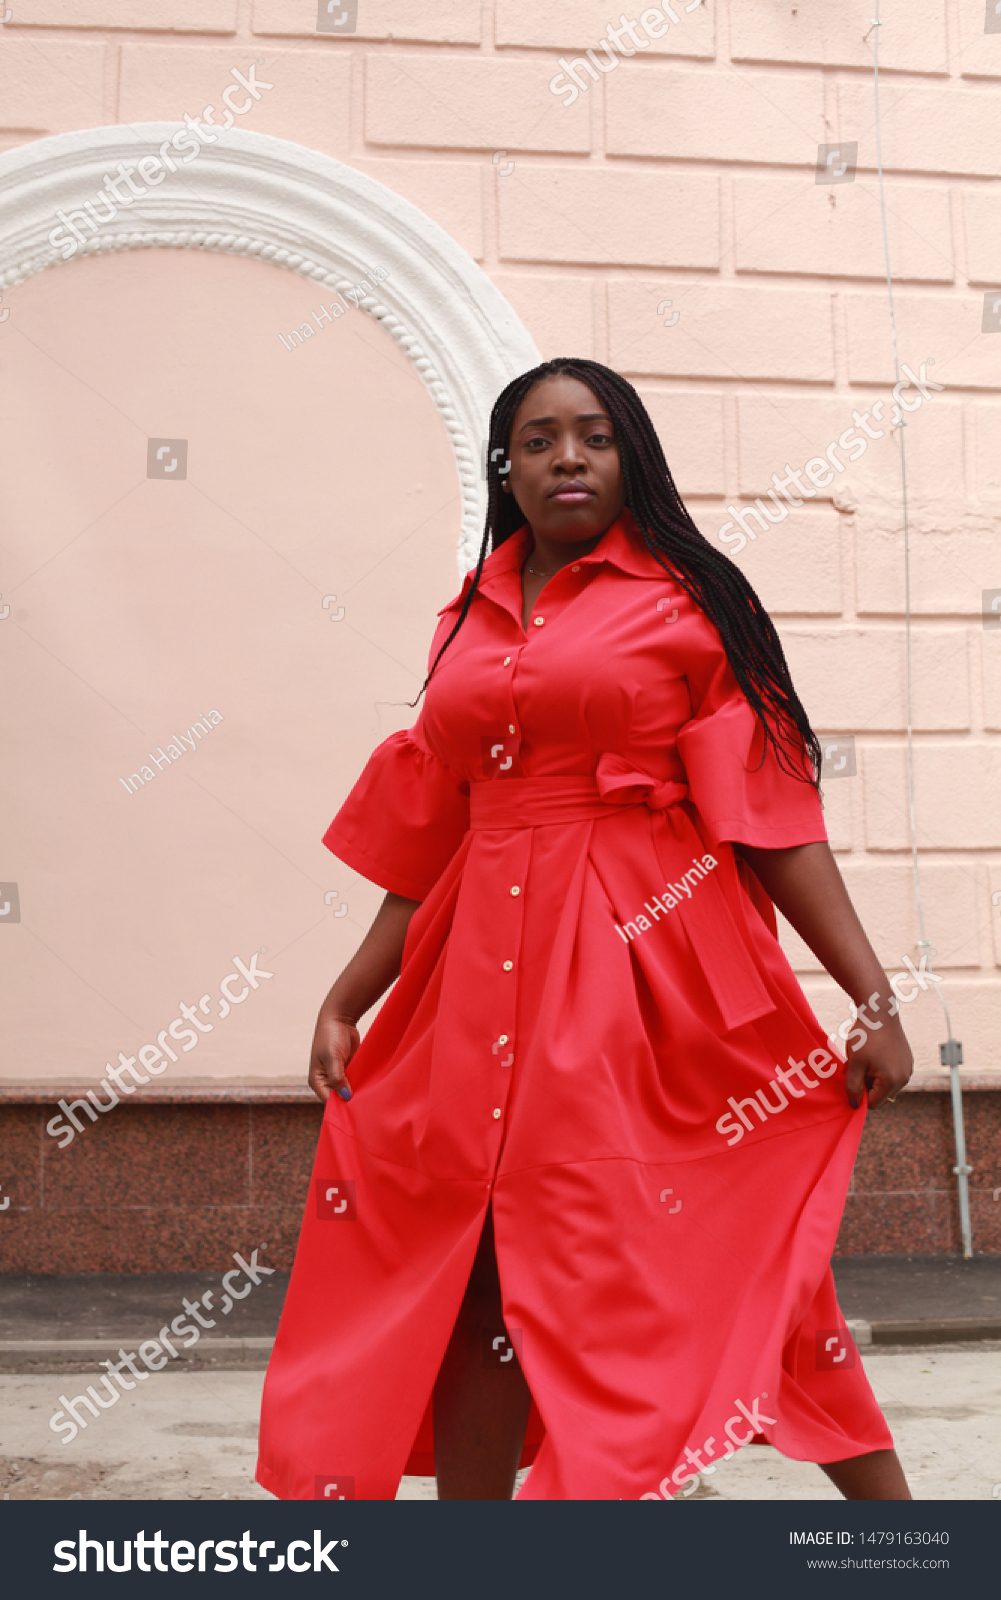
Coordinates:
x,y
710,579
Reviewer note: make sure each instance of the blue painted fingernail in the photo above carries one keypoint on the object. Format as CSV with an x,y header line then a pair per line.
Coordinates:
x,y
345,1092
854,1103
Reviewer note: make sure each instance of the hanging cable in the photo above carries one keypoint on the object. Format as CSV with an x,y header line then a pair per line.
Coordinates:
x,y
951,1051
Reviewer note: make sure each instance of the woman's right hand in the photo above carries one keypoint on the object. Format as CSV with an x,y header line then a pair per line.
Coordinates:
x,y
334,1043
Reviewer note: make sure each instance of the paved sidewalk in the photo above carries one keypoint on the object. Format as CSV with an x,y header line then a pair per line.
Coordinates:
x,y
882,1288
128,1306
932,1292
192,1435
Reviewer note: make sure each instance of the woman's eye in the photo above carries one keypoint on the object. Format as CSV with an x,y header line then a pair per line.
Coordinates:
x,y
601,438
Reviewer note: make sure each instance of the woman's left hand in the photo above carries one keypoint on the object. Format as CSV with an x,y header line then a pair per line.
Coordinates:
x,y
882,1065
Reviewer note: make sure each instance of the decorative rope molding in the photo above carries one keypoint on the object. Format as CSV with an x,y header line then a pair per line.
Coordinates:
x,y
252,195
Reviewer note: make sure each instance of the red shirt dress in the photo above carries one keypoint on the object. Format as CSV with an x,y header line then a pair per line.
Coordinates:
x,y
595,1031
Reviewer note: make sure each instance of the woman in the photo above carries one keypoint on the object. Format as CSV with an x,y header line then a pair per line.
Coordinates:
x,y
593,1156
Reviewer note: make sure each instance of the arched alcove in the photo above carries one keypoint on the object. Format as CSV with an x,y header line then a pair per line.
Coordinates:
x,y
138,606
249,194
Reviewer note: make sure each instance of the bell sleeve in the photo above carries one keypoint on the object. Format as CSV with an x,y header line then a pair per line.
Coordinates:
x,y
741,797
404,819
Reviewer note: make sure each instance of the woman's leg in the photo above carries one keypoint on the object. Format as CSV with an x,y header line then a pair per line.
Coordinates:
x,y
480,1410
876,1476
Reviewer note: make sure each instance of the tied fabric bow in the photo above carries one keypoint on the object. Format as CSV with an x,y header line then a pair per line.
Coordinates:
x,y
620,784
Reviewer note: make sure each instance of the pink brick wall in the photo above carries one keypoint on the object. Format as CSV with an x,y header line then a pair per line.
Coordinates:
x,y
686,174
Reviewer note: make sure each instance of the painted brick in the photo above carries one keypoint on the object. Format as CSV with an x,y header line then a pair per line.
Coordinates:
x,y
974,1006
714,116
776,431
606,216
167,16
978,54
934,456
987,446
308,102
885,899
722,332
982,216
796,566
450,192
956,787
943,327
468,103
558,312
690,428
853,679
913,37
923,129
975,1009
883,895
445,22
838,803
950,566
50,87
553,25
994,888
990,664
796,225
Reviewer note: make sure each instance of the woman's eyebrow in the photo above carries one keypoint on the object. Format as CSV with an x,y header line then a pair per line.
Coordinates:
x,y
587,416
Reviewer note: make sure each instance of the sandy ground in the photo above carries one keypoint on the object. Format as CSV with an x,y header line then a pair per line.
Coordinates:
x,y
192,1435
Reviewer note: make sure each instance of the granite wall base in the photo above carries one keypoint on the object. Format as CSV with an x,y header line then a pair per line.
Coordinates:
x,y
178,1185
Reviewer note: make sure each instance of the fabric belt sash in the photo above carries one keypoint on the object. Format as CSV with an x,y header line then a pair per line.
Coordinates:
x,y
536,802
720,949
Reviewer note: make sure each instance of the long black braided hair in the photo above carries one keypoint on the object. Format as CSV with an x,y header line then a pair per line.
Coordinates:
x,y
715,584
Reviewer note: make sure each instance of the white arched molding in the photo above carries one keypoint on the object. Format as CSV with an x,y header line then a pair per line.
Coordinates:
x,y
251,195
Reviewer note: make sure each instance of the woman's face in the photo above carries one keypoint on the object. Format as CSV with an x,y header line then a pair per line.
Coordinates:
x,y
566,475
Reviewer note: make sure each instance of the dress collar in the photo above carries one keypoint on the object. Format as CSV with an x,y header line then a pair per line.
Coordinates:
x,y
620,546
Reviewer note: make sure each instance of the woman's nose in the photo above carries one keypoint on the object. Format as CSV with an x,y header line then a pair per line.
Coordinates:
x,y
569,455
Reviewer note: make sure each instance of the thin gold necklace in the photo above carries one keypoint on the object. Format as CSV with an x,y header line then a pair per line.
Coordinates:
x,y
538,574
